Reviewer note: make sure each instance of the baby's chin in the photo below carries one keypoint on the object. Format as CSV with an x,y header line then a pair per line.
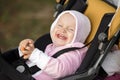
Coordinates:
x,y
59,44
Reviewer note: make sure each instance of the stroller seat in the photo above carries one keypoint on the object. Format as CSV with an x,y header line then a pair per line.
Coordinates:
x,y
100,13
95,11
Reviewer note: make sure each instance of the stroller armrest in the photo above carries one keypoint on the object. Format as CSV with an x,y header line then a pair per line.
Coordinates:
x,y
11,55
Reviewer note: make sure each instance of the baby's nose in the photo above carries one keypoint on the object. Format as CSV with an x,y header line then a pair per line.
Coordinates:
x,y
64,30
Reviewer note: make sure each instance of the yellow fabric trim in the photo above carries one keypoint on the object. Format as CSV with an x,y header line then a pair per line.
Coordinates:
x,y
95,11
115,24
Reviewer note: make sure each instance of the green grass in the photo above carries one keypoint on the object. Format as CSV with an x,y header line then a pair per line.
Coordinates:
x,y
24,19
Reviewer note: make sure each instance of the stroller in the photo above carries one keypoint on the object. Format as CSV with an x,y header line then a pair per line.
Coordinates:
x,y
105,33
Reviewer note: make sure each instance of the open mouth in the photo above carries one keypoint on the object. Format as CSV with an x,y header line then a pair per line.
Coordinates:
x,y
62,37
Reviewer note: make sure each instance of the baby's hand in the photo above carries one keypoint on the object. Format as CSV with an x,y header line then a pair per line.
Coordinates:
x,y
26,46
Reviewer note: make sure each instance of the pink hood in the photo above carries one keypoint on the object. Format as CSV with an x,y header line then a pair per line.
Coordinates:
x,y
83,26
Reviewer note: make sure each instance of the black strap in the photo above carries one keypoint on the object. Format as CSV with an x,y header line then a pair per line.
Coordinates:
x,y
65,50
34,69
69,49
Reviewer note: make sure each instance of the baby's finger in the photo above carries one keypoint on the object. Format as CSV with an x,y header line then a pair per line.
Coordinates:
x,y
31,45
31,41
23,44
26,56
22,49
27,48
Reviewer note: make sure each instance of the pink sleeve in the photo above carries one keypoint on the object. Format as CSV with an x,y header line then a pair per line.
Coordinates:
x,y
65,64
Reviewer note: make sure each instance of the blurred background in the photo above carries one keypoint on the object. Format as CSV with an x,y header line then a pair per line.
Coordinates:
x,y
21,19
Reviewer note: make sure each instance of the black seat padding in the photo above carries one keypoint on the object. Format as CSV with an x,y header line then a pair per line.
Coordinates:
x,y
43,41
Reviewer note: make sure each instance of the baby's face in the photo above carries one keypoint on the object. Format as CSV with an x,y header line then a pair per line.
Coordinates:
x,y
64,30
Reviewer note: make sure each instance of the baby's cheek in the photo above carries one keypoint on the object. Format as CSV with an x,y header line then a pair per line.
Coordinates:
x,y
71,38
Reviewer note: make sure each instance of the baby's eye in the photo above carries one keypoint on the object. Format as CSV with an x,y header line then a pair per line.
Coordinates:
x,y
70,29
59,26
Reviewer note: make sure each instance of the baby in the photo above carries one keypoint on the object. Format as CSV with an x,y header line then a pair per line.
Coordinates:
x,y
70,29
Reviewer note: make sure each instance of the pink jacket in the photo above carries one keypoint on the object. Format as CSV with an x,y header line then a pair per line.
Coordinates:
x,y
54,68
